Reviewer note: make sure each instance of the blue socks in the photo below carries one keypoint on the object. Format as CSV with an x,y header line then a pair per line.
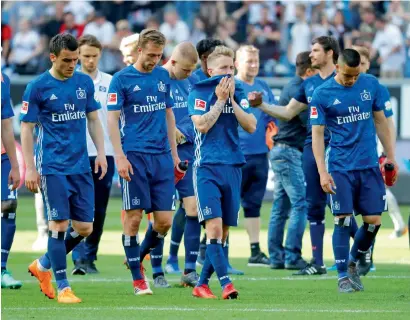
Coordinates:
x,y
177,231
132,252
317,232
353,227
57,252
156,259
340,241
151,240
363,240
8,229
191,243
218,260
207,271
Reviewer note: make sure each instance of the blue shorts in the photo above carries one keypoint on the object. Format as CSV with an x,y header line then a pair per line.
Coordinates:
x,y
68,197
316,198
152,185
185,187
6,193
218,193
361,191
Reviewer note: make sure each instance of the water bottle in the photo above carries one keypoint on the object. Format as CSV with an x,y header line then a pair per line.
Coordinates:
x,y
389,174
180,170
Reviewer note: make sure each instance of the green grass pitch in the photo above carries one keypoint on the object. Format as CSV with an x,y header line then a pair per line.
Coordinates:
x,y
264,293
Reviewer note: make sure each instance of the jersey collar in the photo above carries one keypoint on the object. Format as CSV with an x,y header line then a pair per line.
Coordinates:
x,y
97,79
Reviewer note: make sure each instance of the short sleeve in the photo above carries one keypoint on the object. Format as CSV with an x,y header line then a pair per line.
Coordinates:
x,y
385,96
115,97
92,100
378,101
241,97
301,95
196,106
316,111
30,106
169,103
6,109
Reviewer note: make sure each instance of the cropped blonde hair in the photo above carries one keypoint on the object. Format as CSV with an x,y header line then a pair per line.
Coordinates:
x,y
220,51
246,49
151,35
363,51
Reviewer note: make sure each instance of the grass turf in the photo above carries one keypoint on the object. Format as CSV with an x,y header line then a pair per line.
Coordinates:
x,y
263,292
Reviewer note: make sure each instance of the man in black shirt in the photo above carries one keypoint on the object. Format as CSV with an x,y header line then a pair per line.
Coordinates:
x,y
290,191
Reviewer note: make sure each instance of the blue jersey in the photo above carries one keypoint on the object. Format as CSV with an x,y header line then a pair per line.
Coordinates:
x,y
6,109
348,114
305,96
142,99
221,144
59,109
199,75
255,143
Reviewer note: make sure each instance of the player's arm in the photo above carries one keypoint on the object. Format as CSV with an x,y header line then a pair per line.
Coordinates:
x,y
7,137
392,129
171,129
246,120
207,120
97,135
32,178
384,133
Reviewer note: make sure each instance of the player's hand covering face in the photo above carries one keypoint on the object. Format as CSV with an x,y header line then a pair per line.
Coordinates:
x,y
327,183
255,98
223,89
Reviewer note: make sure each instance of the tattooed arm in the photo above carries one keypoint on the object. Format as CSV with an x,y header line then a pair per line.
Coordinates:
x,y
206,121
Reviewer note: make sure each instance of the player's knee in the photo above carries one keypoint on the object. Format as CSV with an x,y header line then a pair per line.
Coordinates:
x,y
373,220
163,225
190,209
343,221
86,230
8,207
214,228
58,225
251,212
132,221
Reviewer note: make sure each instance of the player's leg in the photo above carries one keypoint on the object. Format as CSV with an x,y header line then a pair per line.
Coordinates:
x,y
192,236
8,225
101,197
177,231
342,208
395,215
202,249
42,224
162,191
254,178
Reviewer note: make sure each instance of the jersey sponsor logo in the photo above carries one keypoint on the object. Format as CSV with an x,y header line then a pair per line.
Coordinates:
x,y
355,115
80,93
200,104
112,99
69,114
136,201
387,105
24,107
102,89
136,88
336,102
162,87
152,105
54,213
365,96
313,113
244,104
207,211
53,97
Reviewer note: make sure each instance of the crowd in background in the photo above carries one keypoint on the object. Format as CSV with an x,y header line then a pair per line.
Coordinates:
x,y
280,29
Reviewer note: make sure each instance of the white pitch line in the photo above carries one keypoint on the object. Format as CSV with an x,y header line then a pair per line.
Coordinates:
x,y
200,309
296,278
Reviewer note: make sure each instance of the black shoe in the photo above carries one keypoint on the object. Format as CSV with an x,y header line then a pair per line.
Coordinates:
x,y
260,260
79,268
311,269
90,267
277,266
300,264
354,276
365,263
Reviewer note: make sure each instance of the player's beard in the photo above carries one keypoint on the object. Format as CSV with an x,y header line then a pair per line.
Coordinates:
x,y
148,66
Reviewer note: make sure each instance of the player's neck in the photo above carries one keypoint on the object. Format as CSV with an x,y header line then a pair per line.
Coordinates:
x,y
55,74
138,66
93,74
168,67
244,78
327,70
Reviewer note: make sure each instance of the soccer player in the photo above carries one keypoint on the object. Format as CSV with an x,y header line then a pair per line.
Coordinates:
x,y
85,253
142,131
255,171
204,49
351,105
216,109
60,104
10,180
324,54
128,48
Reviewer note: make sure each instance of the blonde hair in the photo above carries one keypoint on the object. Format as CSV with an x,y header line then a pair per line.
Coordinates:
x,y
363,51
185,51
246,49
151,35
220,51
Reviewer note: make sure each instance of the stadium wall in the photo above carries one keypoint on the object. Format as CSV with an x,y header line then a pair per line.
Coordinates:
x,y
400,98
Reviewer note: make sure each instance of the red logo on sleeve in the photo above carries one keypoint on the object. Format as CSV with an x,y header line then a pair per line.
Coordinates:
x,y
24,107
313,113
112,99
200,104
